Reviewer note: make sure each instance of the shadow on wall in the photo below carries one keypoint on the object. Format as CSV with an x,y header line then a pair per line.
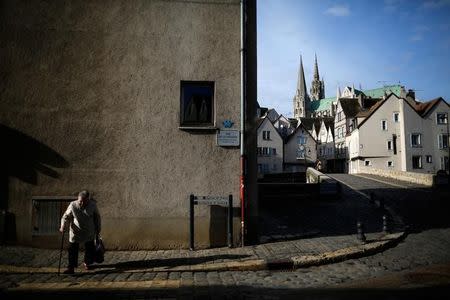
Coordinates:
x,y
23,157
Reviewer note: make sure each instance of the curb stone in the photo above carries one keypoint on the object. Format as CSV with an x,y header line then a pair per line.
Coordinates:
x,y
295,262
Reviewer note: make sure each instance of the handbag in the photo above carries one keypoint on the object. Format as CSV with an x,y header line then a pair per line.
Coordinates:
x,y
99,255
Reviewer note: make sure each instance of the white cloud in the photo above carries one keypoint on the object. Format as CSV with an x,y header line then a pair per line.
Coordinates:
x,y
391,6
407,56
338,11
416,37
433,4
419,31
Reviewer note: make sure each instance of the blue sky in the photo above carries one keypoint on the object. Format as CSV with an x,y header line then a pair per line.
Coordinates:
x,y
369,43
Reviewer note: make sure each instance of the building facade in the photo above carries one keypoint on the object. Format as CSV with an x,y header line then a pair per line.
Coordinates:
x,y
401,134
270,148
124,99
300,150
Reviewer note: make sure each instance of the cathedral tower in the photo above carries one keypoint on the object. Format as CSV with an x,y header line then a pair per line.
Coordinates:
x,y
301,98
317,85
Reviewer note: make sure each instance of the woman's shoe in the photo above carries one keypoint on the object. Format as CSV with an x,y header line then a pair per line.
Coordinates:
x,y
69,271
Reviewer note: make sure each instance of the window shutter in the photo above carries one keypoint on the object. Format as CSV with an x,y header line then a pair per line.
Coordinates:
x,y
440,141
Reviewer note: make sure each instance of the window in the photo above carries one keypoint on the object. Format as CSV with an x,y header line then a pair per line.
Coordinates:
x,y
390,164
443,141
383,125
197,104
395,117
389,145
367,163
274,151
339,116
302,140
444,163
394,142
416,140
417,162
266,135
441,118
429,159
300,154
47,212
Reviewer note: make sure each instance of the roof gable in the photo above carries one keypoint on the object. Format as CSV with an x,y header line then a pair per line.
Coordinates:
x,y
426,107
350,106
300,126
267,120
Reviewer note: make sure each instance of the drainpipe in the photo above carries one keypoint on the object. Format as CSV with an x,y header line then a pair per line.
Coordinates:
x,y
242,150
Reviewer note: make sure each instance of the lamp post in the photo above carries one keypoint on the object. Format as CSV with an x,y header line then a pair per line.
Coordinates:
x,y
448,147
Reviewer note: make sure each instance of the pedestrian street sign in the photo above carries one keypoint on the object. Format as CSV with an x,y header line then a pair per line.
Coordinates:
x,y
211,200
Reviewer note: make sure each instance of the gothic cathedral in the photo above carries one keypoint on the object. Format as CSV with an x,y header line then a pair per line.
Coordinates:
x,y
302,100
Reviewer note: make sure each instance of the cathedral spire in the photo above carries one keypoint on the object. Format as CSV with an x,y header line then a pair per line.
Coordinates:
x,y
316,68
301,83
317,86
301,98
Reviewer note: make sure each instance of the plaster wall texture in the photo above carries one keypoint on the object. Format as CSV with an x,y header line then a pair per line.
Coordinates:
x,y
374,139
98,83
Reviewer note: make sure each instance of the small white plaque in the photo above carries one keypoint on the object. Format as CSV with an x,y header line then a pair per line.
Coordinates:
x,y
228,138
212,200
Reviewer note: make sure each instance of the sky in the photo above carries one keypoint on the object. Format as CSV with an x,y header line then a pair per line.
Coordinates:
x,y
365,43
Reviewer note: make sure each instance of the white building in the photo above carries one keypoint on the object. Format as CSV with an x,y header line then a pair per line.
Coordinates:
x,y
270,148
325,143
300,150
401,134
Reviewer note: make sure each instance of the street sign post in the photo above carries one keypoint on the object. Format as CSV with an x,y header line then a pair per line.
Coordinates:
x,y
211,200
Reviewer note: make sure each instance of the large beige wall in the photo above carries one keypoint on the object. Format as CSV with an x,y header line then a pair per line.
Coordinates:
x,y
98,83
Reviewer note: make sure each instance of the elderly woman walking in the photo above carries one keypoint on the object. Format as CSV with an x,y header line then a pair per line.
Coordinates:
x,y
83,217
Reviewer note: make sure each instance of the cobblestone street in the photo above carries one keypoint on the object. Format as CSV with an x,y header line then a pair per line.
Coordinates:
x,y
420,263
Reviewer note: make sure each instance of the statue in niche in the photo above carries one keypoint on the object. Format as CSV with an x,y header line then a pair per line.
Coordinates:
x,y
203,114
191,114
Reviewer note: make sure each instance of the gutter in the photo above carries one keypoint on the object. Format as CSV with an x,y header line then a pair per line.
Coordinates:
x,y
242,129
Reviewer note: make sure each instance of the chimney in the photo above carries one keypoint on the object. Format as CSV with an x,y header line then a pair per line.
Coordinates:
x,y
411,95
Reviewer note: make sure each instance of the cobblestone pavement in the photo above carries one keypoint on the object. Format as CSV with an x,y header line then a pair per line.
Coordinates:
x,y
420,264
427,248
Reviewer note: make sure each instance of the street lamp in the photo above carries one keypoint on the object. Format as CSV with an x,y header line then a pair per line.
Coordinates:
x,y
303,149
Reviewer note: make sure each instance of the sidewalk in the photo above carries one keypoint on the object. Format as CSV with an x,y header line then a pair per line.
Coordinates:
x,y
280,255
333,244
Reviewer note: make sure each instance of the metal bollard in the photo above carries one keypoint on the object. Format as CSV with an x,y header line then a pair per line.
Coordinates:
x,y
372,198
381,202
385,224
360,232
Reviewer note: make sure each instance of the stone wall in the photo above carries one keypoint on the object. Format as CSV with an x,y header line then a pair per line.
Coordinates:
x,y
419,178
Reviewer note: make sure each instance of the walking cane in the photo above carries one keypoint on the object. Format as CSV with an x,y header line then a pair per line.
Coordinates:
x,y
62,242
61,251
